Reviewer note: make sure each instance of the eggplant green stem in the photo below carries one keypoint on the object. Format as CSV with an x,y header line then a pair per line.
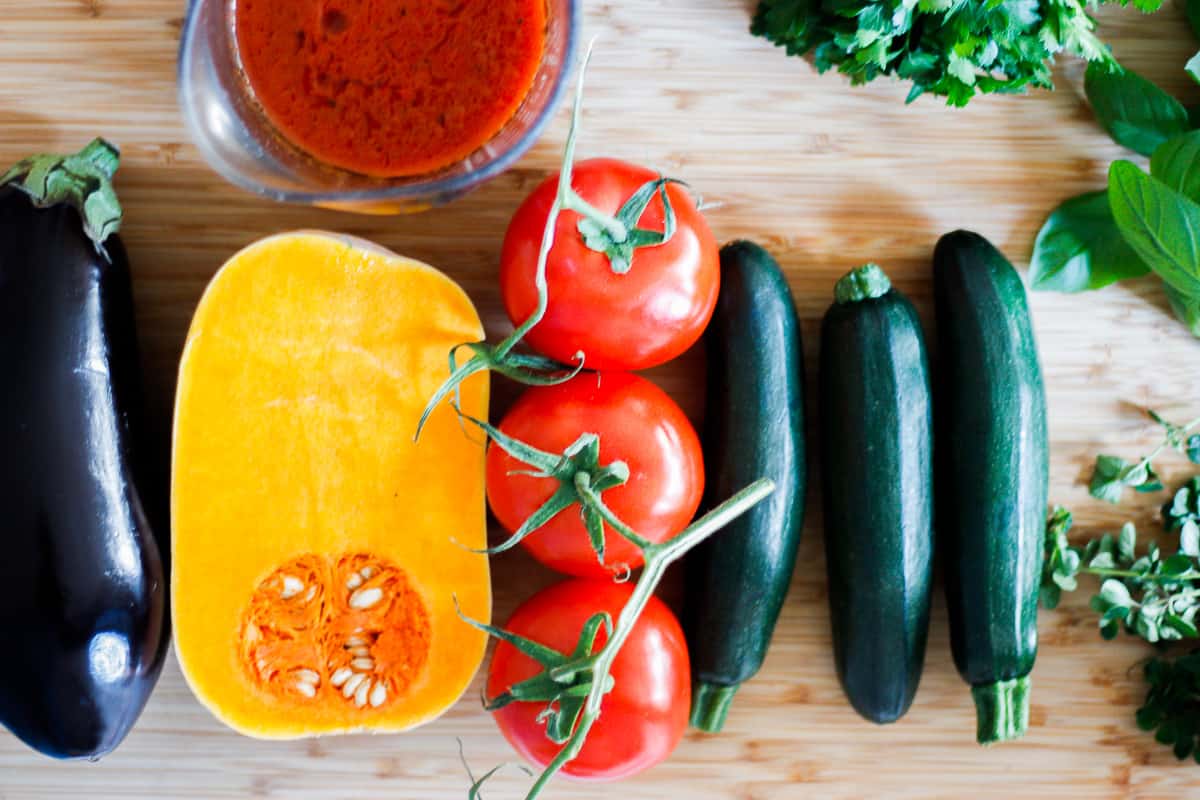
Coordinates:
x,y
81,180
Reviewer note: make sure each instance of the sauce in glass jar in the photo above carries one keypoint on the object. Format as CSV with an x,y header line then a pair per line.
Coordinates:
x,y
390,88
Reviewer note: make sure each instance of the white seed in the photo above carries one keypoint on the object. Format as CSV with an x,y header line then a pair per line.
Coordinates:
x,y
310,594
363,664
378,695
308,676
367,572
341,676
360,652
306,689
360,696
356,641
253,634
365,598
291,587
352,684
354,582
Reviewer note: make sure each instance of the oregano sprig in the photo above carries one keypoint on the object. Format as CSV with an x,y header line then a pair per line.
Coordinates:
x,y
1153,595
1112,474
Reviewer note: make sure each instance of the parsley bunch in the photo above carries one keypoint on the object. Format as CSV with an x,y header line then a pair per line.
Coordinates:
x,y
951,48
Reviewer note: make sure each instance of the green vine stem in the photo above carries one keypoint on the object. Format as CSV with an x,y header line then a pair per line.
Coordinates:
x,y
565,674
1168,442
617,236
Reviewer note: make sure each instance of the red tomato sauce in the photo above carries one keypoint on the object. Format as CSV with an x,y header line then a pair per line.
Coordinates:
x,y
390,87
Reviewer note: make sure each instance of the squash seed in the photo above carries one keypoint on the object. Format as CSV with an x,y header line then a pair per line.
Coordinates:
x,y
292,586
378,695
352,685
360,695
340,676
308,676
365,598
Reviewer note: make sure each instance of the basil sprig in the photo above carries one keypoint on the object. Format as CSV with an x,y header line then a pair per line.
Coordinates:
x,y
1143,222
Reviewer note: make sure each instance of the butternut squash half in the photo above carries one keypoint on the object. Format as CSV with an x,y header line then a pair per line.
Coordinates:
x,y
318,551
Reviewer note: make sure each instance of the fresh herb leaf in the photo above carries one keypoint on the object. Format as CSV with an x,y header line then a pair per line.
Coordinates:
x,y
1080,248
1192,67
1183,508
1172,706
1192,9
951,48
1186,309
1112,475
1177,164
1135,112
1160,224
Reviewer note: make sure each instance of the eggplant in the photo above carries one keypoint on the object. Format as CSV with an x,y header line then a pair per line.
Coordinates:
x,y
83,628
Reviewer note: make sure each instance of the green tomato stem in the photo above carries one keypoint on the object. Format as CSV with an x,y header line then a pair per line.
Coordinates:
x,y
589,496
658,558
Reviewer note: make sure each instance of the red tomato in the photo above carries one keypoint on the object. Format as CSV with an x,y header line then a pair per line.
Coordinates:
x,y
637,423
639,319
642,719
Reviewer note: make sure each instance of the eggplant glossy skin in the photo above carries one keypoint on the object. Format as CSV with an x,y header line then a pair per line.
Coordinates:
x,y
82,593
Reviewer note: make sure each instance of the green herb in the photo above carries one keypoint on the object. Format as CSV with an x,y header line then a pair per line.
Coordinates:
x,y
1182,513
1079,248
1144,222
1172,707
1192,9
1152,596
1112,474
1135,112
1177,164
1161,225
951,48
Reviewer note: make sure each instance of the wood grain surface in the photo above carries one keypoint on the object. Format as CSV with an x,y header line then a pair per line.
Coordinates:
x,y
826,177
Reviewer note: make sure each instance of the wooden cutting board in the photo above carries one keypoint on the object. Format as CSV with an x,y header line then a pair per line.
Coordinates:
x,y
826,177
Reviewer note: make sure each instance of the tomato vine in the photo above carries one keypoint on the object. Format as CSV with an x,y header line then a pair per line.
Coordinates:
x,y
573,685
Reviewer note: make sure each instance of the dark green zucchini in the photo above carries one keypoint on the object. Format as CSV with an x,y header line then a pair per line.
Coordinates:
x,y
877,443
992,476
737,581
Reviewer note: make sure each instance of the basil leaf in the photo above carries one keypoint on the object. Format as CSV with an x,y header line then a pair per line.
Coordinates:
x,y
1135,112
1177,164
1192,67
1192,9
1161,225
1080,248
1187,309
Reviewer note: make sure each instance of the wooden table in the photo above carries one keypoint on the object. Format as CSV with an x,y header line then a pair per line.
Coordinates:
x,y
826,177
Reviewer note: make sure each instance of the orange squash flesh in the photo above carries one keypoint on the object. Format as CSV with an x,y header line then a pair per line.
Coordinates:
x,y
317,550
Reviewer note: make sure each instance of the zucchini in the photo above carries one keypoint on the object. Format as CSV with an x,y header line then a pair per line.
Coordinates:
x,y
737,581
877,442
992,476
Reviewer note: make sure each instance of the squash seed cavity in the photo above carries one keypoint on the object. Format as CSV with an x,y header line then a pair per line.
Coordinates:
x,y
350,631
